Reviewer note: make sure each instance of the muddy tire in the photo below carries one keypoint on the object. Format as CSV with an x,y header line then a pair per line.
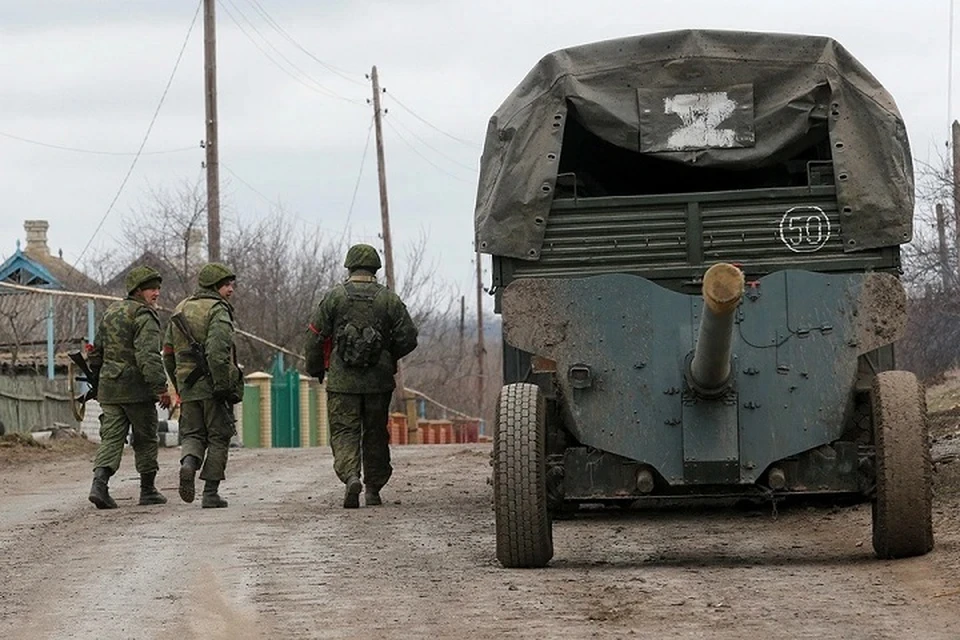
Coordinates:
x,y
902,521
524,528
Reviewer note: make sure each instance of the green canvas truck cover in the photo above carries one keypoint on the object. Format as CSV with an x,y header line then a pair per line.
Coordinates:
x,y
726,99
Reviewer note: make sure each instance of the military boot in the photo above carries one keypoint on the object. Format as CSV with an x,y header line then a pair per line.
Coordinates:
x,y
99,493
371,497
148,490
211,499
188,469
351,497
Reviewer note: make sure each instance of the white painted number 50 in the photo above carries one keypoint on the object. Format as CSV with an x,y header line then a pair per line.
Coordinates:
x,y
805,229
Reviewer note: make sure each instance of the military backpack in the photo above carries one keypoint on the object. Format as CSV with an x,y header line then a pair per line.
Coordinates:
x,y
359,342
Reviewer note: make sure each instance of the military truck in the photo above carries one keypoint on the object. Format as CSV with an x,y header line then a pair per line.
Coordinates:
x,y
695,242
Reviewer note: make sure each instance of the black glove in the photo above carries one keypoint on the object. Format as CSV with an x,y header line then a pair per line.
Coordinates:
x,y
316,369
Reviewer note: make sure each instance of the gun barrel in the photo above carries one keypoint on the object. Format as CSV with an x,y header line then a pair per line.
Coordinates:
x,y
710,368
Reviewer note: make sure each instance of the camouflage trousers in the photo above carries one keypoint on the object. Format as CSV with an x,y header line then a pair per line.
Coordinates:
x,y
359,436
116,422
206,427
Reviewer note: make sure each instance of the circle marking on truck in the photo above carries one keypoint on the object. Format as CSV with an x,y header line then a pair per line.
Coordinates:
x,y
805,229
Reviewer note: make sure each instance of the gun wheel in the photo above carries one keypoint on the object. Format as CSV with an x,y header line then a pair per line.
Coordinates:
x,y
523,525
902,519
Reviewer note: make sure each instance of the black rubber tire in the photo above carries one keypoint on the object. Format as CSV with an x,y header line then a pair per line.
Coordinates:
x,y
902,506
524,527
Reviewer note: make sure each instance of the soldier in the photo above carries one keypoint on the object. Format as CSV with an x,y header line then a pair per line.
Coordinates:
x,y
126,358
368,329
199,354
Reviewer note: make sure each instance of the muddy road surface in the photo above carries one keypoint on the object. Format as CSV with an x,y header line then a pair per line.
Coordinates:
x,y
285,561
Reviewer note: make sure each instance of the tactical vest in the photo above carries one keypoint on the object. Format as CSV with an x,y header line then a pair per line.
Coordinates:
x,y
196,311
360,336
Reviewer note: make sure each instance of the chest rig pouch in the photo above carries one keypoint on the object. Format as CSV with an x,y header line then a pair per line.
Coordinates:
x,y
359,342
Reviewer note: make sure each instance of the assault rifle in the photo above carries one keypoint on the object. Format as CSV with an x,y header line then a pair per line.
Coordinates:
x,y
200,356
196,349
79,400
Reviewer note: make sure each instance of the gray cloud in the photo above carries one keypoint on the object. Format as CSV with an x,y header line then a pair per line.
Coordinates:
x,y
89,74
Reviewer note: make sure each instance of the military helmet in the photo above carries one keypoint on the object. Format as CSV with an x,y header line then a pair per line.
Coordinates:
x,y
140,276
362,256
214,272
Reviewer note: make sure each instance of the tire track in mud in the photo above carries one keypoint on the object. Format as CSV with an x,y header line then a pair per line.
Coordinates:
x,y
136,572
286,561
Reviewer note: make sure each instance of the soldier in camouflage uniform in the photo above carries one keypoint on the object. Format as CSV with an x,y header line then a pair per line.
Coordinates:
x,y
126,357
370,330
206,415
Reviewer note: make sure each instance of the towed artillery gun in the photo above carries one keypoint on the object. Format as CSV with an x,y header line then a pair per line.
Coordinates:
x,y
695,240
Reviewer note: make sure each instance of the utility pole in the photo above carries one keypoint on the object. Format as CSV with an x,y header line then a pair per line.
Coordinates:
x,y
211,144
955,130
382,175
409,403
463,324
944,254
481,350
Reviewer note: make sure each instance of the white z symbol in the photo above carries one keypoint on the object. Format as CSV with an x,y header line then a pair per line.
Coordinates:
x,y
701,114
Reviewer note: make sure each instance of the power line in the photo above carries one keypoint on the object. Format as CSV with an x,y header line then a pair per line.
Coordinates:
x,y
94,151
356,186
432,148
146,136
329,67
312,84
429,124
425,158
248,185
950,70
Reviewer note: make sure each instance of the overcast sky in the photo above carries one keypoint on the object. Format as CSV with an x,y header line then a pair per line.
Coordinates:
x,y
88,74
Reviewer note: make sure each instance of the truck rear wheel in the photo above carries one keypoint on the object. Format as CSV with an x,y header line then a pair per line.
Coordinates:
x,y
902,520
524,529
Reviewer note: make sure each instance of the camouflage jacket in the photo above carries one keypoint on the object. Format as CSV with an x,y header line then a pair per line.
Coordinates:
x,y
362,301
210,318
126,354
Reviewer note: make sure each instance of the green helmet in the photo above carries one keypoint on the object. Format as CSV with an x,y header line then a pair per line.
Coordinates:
x,y
214,272
140,276
362,256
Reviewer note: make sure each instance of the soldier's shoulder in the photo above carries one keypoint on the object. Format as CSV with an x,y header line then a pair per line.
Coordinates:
x,y
335,295
394,299
146,311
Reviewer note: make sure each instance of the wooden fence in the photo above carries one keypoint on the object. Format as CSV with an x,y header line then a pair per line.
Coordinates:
x,y
31,403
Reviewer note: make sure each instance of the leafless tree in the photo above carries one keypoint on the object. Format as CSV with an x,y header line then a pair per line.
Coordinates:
x,y
21,316
284,270
932,342
169,224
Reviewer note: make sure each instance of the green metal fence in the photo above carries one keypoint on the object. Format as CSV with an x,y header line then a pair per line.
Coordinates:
x,y
285,405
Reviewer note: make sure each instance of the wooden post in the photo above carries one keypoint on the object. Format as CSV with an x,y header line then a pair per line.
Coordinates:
x,y
409,402
481,350
211,144
463,324
955,130
944,254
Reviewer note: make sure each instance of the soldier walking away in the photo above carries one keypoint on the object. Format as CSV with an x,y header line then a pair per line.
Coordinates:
x,y
368,330
199,355
126,359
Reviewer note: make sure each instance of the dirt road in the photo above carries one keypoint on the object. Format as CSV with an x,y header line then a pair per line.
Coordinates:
x,y
285,561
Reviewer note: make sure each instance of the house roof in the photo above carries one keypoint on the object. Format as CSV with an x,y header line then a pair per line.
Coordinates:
x,y
63,271
26,270
116,284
